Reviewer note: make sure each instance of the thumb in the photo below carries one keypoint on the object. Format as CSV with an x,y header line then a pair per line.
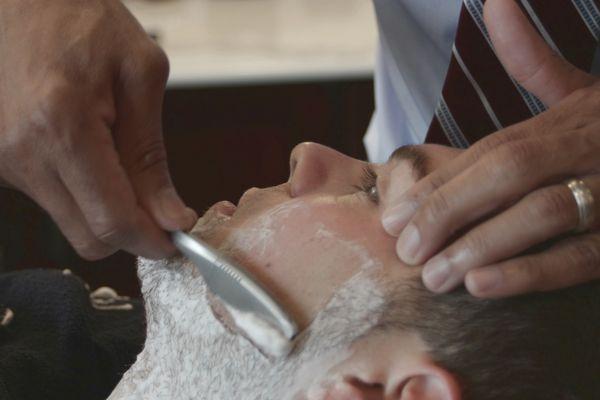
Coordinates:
x,y
139,139
527,57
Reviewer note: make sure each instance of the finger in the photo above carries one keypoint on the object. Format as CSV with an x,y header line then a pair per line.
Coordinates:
x,y
503,176
527,57
93,175
399,211
139,140
537,218
570,262
53,197
531,61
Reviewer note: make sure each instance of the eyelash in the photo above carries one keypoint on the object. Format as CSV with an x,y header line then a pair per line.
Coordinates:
x,y
368,184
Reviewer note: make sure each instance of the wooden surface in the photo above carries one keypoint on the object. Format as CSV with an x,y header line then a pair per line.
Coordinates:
x,y
220,141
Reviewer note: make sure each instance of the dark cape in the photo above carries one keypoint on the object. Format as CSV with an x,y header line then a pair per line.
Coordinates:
x,y
55,344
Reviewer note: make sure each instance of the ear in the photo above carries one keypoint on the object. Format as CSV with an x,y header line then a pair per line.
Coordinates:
x,y
391,367
354,390
426,382
431,383
527,57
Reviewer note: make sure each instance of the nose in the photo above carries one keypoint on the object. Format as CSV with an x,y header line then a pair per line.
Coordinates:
x,y
318,168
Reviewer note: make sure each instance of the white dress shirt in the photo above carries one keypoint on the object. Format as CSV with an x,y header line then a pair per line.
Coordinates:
x,y
415,46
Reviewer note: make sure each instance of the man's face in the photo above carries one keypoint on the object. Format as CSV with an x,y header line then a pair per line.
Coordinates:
x,y
304,238
316,243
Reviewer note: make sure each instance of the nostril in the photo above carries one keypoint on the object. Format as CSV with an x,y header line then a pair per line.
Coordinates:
x,y
308,169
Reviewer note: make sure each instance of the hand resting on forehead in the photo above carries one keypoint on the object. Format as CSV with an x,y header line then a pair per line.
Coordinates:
x,y
369,328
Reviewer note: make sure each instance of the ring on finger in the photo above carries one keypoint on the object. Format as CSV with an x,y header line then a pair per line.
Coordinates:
x,y
585,204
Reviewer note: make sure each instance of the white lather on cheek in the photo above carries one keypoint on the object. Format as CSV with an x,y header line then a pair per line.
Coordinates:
x,y
258,238
349,248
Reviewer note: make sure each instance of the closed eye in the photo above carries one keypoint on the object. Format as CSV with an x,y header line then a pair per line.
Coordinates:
x,y
368,184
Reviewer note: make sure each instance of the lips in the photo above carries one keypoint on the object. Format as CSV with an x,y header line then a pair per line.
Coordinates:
x,y
225,208
280,192
216,215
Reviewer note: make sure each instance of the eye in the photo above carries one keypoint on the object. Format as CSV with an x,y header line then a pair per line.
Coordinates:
x,y
368,184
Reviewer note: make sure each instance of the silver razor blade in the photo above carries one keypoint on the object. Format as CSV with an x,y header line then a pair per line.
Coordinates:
x,y
233,285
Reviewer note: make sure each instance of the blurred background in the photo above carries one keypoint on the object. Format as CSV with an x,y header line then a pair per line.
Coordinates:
x,y
249,80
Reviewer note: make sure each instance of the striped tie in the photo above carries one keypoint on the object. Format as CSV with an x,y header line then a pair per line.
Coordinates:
x,y
479,97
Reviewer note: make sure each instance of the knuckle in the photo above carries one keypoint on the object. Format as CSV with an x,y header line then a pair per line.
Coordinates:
x,y
535,275
588,140
556,203
435,182
586,254
151,156
583,95
435,208
92,250
423,190
593,99
466,253
513,160
155,64
54,96
116,231
45,128
17,143
594,93
529,75
586,102
476,243
490,142
53,101
54,116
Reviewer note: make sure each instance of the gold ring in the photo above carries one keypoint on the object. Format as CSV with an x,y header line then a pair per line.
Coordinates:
x,y
585,204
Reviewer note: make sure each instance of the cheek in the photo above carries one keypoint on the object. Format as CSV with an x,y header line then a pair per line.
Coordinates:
x,y
302,231
305,250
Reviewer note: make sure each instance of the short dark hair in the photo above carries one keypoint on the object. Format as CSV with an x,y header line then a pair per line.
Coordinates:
x,y
539,346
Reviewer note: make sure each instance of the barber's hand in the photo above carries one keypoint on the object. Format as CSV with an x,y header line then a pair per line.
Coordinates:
x,y
81,89
472,220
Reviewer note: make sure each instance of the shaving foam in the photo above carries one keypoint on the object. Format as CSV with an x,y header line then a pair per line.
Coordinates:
x,y
260,236
358,251
268,339
189,354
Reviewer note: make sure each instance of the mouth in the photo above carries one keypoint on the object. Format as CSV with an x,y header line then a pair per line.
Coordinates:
x,y
224,208
252,195
216,215
252,201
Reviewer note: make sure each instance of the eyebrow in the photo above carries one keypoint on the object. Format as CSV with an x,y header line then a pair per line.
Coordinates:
x,y
418,159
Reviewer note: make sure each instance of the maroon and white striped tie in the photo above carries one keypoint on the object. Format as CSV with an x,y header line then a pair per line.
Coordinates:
x,y
479,97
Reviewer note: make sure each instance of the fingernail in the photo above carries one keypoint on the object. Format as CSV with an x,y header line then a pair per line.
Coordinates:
x,y
436,272
408,243
396,218
483,280
174,209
